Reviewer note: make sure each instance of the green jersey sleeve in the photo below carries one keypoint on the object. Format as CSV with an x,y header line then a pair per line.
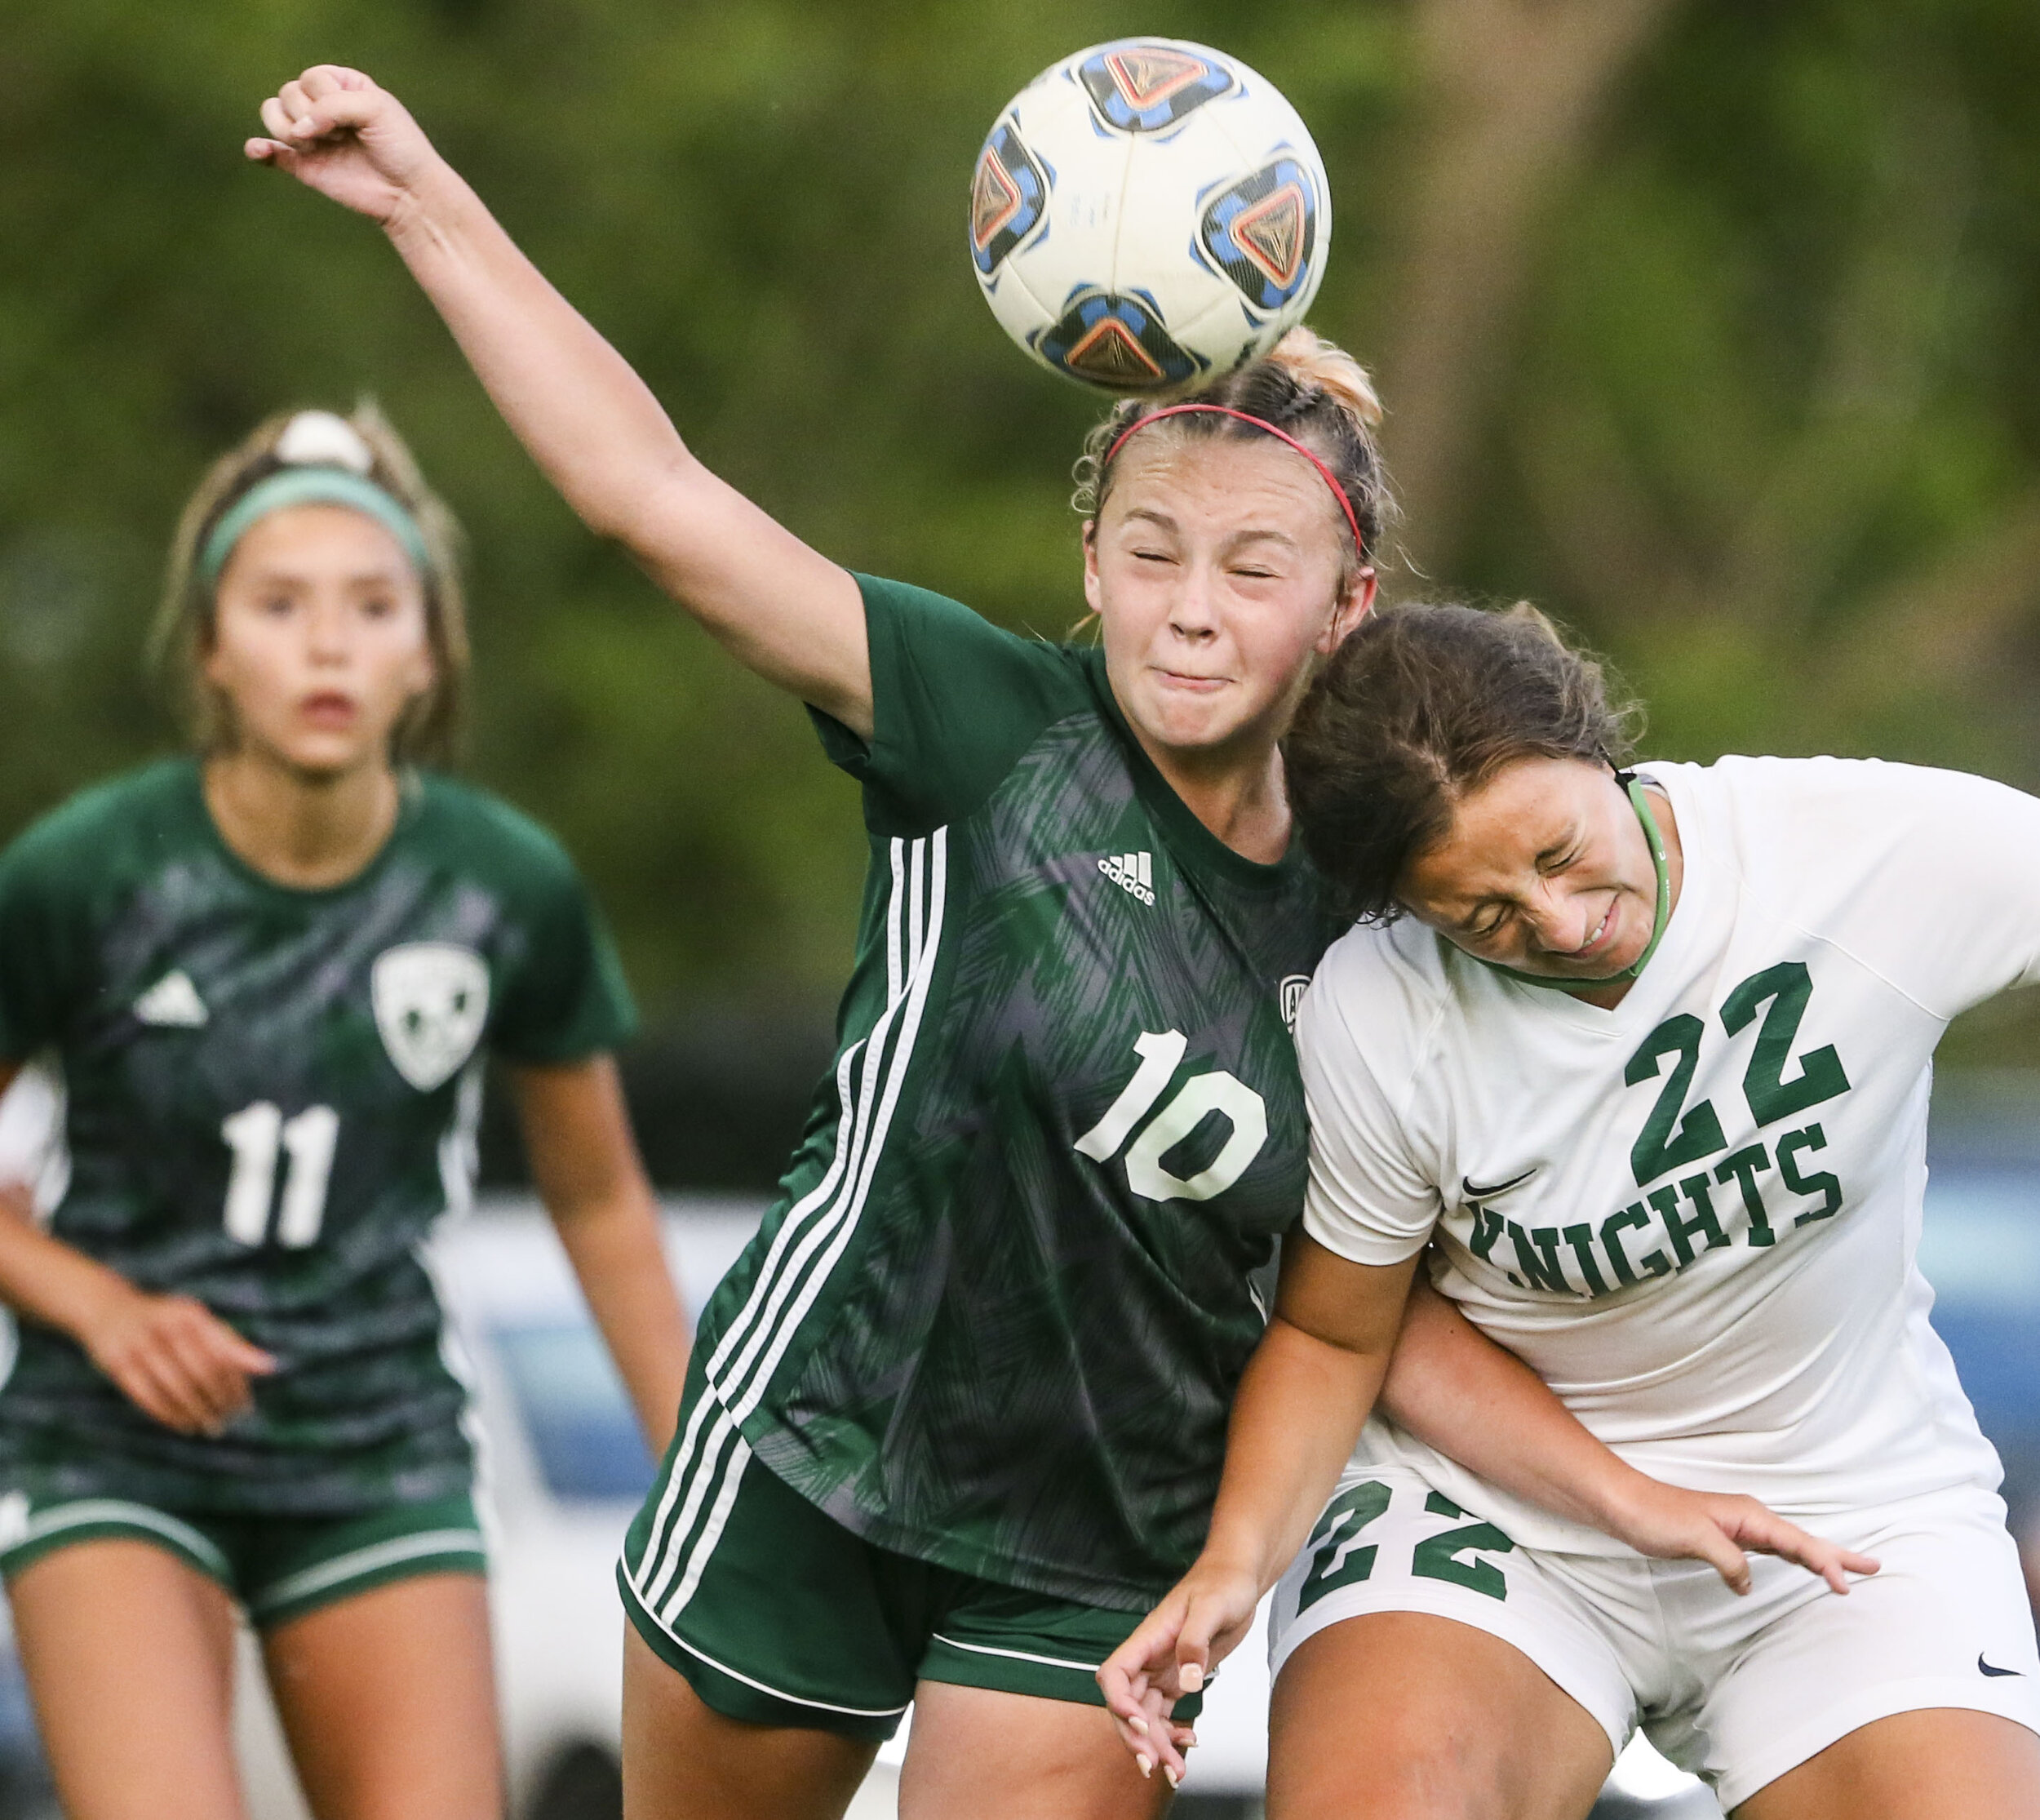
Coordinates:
x,y
956,701
42,943
566,998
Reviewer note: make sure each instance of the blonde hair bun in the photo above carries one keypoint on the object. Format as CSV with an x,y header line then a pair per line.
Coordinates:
x,y
1310,360
320,439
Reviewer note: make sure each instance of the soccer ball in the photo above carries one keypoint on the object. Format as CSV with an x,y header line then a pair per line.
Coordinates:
x,y
1148,214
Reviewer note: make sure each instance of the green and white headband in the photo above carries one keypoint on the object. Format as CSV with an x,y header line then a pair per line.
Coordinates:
x,y
326,463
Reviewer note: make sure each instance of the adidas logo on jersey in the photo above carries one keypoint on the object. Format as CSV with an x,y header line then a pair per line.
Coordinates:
x,y
1131,872
173,1001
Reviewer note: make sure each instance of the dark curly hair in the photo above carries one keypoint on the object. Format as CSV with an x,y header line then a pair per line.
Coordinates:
x,y
1418,707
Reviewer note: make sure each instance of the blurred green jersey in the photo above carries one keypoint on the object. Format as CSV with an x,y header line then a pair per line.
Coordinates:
x,y
270,1095
997,1315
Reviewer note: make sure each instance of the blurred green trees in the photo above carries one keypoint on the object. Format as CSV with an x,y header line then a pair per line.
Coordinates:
x,y
1714,328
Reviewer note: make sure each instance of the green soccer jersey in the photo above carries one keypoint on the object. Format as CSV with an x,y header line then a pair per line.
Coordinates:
x,y
997,1317
270,1095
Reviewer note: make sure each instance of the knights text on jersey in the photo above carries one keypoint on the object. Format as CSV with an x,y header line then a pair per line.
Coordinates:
x,y
1695,1215
270,1095
997,1315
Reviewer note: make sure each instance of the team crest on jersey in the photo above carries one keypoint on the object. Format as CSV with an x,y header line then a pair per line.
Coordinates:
x,y
1293,988
431,999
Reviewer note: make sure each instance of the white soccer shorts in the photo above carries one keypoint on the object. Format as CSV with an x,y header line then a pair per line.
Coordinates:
x,y
1735,1690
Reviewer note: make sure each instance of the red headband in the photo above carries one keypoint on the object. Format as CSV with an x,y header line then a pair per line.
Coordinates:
x,y
1338,492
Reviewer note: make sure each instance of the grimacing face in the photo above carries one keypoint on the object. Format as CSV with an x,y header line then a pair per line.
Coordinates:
x,y
1216,570
319,638
1546,868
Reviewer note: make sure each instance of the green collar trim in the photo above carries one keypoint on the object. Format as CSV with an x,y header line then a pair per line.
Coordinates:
x,y
1654,837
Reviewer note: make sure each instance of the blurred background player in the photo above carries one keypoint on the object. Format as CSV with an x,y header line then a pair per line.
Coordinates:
x,y
264,980
960,1407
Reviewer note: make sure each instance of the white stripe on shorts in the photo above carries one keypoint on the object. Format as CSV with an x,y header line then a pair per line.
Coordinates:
x,y
87,1512
358,1563
822,1222
780,1694
1017,1655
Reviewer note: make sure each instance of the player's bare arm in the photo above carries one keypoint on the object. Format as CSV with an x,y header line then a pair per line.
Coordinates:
x,y
584,1161
170,1356
1304,1396
1344,1336
1448,1384
591,425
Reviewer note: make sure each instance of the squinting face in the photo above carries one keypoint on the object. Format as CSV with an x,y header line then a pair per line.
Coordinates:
x,y
319,638
1216,570
1546,868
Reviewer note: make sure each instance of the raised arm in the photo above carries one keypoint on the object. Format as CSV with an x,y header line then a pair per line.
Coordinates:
x,y
781,609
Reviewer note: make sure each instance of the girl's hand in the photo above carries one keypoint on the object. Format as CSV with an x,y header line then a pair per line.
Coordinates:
x,y
336,132
1172,1654
1719,1527
174,1360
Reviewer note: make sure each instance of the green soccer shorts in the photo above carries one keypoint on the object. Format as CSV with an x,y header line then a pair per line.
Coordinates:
x,y
778,1615
279,1567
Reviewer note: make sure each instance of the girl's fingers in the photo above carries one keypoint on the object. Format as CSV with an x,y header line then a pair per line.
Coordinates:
x,y
241,1357
324,79
338,110
175,1405
314,105
248,1360
137,1388
1133,1732
1724,1554
217,1391
1763,1530
1120,1679
230,1360
1196,1642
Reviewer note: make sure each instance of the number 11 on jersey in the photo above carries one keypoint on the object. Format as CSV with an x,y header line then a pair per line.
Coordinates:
x,y
254,1134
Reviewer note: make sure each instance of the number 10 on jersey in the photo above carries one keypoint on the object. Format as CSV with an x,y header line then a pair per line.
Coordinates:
x,y
255,1134
1197,1100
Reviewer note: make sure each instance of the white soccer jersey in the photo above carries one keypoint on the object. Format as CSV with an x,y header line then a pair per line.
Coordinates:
x,y
1695,1215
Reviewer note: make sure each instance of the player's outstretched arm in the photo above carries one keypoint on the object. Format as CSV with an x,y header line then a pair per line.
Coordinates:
x,y
589,420
1303,1402
1452,1387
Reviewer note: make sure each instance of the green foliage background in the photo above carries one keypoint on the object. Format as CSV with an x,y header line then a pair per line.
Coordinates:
x,y
1742,360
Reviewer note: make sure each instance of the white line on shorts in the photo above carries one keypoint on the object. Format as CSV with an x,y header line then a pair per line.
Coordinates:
x,y
88,1511
824,1220
370,1560
1017,1655
780,1694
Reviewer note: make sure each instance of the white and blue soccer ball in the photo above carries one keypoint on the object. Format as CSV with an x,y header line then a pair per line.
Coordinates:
x,y
1148,214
